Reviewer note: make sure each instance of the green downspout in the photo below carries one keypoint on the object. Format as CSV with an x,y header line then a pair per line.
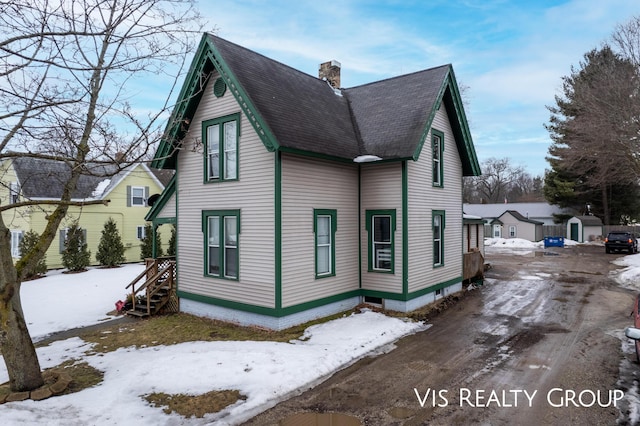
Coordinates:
x,y
278,232
405,231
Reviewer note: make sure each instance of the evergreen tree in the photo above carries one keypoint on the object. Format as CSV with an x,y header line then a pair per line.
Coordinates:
x,y
594,128
110,249
146,248
75,256
28,242
171,251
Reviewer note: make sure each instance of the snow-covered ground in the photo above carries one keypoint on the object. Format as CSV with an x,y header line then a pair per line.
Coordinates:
x,y
266,372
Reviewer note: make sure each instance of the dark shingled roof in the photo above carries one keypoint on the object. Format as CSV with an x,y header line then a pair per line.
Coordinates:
x,y
521,218
41,178
296,112
302,111
392,114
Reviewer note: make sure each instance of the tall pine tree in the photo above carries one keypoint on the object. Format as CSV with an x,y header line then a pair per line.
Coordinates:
x,y
75,256
110,249
594,131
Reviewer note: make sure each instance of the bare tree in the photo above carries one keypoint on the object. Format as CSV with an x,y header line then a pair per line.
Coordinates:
x,y
69,74
496,182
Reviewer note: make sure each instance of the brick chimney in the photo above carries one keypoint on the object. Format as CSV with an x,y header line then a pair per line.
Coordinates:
x,y
330,71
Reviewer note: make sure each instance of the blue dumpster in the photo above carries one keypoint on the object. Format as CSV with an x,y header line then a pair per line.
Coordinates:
x,y
553,242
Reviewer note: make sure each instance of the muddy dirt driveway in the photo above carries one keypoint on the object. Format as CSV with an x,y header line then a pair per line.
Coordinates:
x,y
539,343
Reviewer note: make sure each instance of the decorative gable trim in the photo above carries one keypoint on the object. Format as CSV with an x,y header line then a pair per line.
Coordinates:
x,y
450,95
206,59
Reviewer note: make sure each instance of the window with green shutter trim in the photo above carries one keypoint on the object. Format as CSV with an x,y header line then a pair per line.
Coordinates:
x,y
221,230
381,227
438,224
220,138
324,228
437,148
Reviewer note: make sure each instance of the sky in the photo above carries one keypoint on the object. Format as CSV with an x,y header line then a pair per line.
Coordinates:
x,y
508,55
266,372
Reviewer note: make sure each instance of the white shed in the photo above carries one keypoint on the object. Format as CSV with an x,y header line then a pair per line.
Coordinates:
x,y
584,228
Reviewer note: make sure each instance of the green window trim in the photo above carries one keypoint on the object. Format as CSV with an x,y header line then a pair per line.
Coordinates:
x,y
438,224
437,150
381,228
220,138
325,224
221,252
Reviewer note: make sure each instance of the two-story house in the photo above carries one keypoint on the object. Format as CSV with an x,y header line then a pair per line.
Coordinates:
x,y
295,198
34,179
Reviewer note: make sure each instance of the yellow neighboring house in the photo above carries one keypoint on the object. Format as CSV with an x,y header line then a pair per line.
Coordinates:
x,y
34,179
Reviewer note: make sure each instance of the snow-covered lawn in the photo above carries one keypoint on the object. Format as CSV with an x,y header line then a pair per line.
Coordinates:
x,y
265,372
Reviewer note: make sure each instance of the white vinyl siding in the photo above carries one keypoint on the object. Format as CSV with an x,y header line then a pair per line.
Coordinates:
x,y
423,199
381,189
169,209
252,194
308,185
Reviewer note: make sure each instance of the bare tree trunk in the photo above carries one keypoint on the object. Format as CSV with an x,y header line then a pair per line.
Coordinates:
x,y
15,342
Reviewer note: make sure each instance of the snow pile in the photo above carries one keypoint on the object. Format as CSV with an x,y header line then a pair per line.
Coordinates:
x,y
628,277
512,243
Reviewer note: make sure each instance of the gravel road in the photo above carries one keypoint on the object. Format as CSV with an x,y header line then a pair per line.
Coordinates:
x,y
540,343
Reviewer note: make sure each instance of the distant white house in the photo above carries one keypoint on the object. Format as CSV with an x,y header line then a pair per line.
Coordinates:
x,y
540,212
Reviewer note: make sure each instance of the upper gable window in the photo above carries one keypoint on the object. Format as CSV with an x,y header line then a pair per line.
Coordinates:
x,y
14,192
221,141
137,196
437,148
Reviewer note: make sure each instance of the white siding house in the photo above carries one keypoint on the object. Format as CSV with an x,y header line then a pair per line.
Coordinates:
x,y
295,204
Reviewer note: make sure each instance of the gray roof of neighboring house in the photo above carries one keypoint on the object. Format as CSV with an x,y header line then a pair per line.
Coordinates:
x,y
296,112
532,210
521,218
590,220
43,178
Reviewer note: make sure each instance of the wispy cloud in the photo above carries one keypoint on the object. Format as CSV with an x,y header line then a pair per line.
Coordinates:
x,y
512,54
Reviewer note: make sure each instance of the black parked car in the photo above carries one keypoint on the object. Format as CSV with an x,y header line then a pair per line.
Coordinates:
x,y
621,240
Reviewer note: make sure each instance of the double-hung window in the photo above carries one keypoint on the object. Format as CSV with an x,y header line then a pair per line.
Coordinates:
x,y
437,148
221,142
137,196
16,237
512,231
14,192
381,225
221,229
438,237
325,230
140,232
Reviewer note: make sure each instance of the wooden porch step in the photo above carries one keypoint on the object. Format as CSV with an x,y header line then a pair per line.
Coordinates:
x,y
139,314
